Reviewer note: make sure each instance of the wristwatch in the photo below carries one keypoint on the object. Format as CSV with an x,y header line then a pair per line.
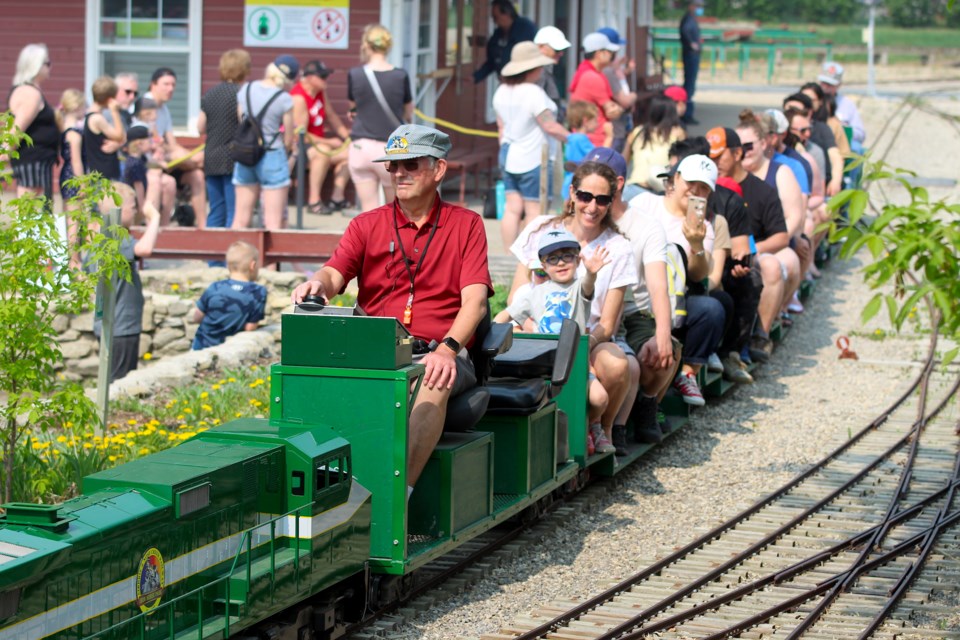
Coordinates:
x,y
700,253
453,344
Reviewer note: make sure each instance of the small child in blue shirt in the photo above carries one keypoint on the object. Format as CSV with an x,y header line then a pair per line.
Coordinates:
x,y
233,305
581,119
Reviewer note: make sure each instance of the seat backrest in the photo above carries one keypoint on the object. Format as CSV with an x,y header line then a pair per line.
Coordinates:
x,y
567,344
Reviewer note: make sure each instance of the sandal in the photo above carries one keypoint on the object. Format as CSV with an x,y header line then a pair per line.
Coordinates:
x,y
318,208
337,205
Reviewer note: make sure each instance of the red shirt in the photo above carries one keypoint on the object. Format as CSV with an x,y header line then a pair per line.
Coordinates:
x,y
590,85
455,258
316,109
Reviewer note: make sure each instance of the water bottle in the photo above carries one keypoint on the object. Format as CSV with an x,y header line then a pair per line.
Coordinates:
x,y
753,245
501,199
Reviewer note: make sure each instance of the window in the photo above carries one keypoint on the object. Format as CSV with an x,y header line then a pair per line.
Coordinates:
x,y
139,36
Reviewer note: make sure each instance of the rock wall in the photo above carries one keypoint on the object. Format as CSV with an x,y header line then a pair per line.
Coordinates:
x,y
170,296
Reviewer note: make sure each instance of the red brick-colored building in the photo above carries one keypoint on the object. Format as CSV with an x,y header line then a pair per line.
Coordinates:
x,y
446,38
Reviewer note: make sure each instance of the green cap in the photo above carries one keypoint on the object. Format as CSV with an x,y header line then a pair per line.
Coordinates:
x,y
409,141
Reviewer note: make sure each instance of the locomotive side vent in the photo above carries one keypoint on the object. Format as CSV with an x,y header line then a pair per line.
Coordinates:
x,y
193,500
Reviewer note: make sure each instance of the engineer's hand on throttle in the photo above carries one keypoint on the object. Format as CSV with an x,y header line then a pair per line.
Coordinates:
x,y
308,288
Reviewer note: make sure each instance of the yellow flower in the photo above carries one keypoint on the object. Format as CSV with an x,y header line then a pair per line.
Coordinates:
x,y
174,287
172,437
37,445
162,432
131,422
68,424
222,382
56,452
112,458
268,378
216,421
231,379
204,395
202,423
188,410
148,356
180,417
238,414
61,439
253,367
206,407
215,387
144,451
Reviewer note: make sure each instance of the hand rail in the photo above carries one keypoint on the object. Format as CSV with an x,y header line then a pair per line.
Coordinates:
x,y
245,538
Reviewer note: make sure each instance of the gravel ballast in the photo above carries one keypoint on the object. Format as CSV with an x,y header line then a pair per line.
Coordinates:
x,y
804,403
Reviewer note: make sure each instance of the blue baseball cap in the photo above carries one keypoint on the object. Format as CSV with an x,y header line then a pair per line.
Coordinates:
x,y
609,157
288,65
612,35
555,239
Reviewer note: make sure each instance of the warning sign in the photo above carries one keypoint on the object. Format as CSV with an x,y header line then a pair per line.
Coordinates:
x,y
296,24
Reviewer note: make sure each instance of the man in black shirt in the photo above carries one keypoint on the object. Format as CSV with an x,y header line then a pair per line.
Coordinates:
x,y
511,29
767,224
690,42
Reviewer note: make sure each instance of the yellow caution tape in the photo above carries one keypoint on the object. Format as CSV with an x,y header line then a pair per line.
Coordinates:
x,y
173,163
450,125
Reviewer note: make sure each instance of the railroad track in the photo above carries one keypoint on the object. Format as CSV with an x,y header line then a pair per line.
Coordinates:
x,y
833,553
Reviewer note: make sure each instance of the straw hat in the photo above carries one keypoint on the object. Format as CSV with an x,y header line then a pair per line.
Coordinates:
x,y
524,57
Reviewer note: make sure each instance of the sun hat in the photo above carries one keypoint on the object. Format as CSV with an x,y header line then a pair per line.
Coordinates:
x,y
555,239
525,57
721,139
832,73
411,141
598,42
288,65
553,38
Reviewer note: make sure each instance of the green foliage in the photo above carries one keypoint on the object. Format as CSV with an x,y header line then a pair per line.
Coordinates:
x,y
37,283
899,13
499,300
914,246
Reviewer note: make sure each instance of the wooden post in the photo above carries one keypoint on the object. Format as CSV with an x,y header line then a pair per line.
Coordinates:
x,y
301,175
106,310
544,176
558,194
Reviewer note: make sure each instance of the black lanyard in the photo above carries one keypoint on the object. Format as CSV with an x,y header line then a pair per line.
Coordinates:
x,y
408,310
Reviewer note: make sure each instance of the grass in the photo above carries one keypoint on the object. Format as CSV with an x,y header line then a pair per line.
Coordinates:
x,y
850,35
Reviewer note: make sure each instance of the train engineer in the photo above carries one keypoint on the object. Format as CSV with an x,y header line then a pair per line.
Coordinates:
x,y
424,262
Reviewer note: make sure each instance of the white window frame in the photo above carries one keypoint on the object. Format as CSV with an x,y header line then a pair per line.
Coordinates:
x,y
193,49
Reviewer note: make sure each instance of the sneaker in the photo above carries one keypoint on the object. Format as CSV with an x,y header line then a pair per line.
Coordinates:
x,y
761,348
620,439
601,442
714,364
646,429
786,320
745,356
734,370
795,306
686,384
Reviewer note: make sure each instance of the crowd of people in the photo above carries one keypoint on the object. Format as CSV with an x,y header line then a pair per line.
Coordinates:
x,y
672,252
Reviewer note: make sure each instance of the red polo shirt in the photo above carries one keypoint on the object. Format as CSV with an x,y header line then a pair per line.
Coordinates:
x,y
591,85
455,258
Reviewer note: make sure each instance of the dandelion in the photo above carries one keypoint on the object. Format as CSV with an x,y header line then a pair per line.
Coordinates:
x,y
144,451
238,414
112,458
180,417
172,437
37,445
131,422
188,410
87,445
148,356
231,379
61,439
206,407
56,452
216,421
204,395
162,432
222,381
174,287
215,387
68,425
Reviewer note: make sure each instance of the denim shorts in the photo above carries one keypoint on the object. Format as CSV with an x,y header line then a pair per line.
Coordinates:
x,y
272,172
528,184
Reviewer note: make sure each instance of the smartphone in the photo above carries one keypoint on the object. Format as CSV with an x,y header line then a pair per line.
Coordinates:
x,y
696,209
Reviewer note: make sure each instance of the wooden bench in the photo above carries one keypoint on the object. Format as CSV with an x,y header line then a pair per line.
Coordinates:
x,y
474,161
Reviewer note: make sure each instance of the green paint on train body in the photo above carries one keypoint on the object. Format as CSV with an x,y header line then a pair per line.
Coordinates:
x,y
148,532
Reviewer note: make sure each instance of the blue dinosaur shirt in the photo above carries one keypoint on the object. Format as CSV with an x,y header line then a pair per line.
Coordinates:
x,y
227,306
549,303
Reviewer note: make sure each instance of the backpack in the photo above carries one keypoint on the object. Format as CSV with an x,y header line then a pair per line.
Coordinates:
x,y
247,145
677,284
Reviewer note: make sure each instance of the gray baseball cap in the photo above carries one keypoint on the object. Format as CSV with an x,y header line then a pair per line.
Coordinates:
x,y
410,141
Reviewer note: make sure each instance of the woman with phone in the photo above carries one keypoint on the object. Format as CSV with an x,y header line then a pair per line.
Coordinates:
x,y
681,211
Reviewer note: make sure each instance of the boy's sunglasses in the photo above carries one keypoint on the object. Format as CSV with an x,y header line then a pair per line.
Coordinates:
x,y
586,198
555,258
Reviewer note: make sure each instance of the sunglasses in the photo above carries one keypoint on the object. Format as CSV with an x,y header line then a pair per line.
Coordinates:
x,y
410,166
131,92
586,198
802,131
747,147
47,63
555,258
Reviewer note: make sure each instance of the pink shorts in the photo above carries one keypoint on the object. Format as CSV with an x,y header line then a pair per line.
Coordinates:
x,y
363,152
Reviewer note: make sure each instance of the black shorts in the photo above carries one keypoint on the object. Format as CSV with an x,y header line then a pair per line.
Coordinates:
x,y
124,356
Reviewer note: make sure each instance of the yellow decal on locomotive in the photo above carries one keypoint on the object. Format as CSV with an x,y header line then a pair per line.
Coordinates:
x,y
150,580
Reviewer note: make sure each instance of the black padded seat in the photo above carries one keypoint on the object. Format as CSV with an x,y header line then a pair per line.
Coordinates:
x,y
527,358
465,410
516,397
